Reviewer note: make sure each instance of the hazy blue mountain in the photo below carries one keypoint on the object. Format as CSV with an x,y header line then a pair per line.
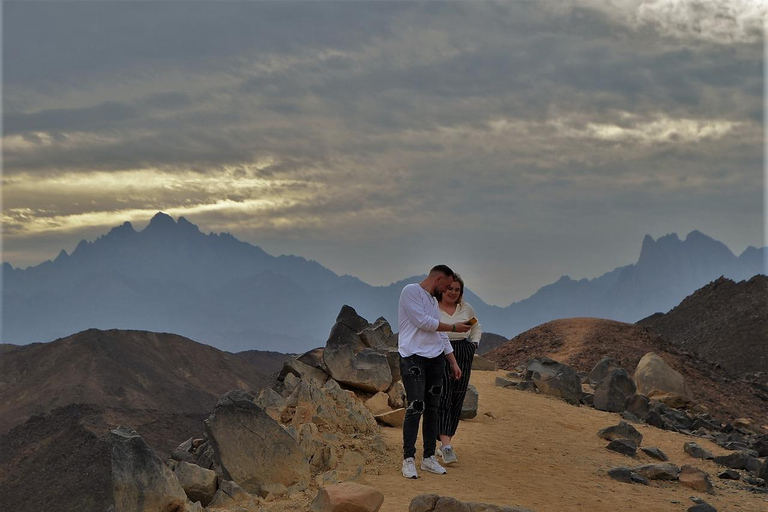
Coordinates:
x,y
213,288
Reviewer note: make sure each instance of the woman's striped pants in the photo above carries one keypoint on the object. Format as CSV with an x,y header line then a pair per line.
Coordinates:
x,y
454,391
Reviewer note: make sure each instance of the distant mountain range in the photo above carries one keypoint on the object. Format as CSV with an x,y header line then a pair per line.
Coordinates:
x,y
215,289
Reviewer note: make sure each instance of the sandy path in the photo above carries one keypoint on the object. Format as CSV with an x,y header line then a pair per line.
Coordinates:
x,y
543,454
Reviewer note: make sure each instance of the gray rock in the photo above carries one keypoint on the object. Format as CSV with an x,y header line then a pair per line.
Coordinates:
x,y
621,431
205,457
350,361
437,503
628,416
739,460
655,453
763,472
231,495
469,407
627,476
614,390
397,395
662,471
602,369
251,448
623,446
697,452
587,399
554,379
379,335
729,474
423,503
199,484
527,386
140,480
695,478
505,383
314,358
303,371
183,452
702,507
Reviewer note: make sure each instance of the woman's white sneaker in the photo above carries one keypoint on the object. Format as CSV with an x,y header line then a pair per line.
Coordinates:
x,y
409,468
432,466
449,457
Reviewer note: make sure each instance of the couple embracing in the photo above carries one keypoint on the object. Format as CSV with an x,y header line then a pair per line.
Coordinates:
x,y
438,336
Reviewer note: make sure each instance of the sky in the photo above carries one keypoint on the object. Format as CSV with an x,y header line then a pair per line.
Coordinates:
x,y
516,141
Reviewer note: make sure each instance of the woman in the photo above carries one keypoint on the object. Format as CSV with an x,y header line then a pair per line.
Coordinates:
x,y
453,310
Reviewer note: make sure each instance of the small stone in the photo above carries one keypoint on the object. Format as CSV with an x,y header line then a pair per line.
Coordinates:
x,y
655,453
697,452
621,431
623,446
729,474
695,479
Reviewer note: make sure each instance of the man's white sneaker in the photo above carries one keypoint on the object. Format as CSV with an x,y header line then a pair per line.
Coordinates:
x,y
449,456
409,468
432,466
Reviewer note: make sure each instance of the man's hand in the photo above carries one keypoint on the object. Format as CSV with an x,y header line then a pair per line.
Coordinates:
x,y
461,327
456,371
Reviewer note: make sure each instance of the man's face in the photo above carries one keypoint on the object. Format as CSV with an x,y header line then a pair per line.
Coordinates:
x,y
442,283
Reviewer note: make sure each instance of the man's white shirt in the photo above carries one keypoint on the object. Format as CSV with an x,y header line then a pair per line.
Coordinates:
x,y
418,317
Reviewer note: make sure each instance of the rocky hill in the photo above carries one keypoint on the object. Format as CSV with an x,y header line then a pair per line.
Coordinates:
x,y
724,322
582,342
135,370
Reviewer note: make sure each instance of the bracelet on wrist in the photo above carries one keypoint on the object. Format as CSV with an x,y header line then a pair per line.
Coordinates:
x,y
453,328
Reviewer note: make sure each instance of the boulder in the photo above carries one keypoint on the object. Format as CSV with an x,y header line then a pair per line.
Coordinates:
x,y
378,403
251,448
392,418
436,503
350,361
614,390
697,452
674,400
639,405
623,446
654,376
662,471
379,335
602,369
199,484
328,406
183,452
141,481
231,496
302,371
481,364
621,431
695,478
627,476
503,382
554,379
314,358
469,406
739,460
702,507
272,402
655,453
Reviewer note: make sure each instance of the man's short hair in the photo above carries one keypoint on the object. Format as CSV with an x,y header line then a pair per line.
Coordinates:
x,y
443,269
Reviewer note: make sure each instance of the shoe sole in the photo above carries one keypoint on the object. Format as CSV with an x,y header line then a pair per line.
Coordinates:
x,y
449,462
411,477
434,472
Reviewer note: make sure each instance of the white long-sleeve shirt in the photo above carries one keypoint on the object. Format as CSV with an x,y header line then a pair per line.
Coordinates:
x,y
418,318
464,312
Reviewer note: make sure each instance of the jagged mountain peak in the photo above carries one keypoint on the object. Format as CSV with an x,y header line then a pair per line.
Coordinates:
x,y
160,221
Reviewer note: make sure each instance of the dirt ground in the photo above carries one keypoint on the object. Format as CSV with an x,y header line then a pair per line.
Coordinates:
x,y
530,450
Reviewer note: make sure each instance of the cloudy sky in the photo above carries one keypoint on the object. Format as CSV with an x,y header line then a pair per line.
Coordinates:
x,y
516,141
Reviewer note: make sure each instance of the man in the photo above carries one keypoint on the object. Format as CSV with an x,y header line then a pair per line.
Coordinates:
x,y
423,348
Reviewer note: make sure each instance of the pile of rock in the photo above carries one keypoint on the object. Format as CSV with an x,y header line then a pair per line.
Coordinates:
x,y
656,395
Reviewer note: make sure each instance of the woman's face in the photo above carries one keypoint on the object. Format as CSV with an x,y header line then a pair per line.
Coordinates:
x,y
452,293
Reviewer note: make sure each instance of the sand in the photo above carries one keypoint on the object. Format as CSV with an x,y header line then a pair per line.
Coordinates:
x,y
538,452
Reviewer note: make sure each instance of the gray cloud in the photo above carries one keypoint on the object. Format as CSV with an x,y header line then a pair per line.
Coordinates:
x,y
510,119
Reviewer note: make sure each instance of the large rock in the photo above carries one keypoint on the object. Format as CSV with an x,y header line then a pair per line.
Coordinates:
x,y
303,371
392,418
330,406
661,471
141,481
614,390
602,369
437,503
251,448
379,335
555,379
272,402
655,377
469,406
739,460
621,431
347,497
350,360
695,478
231,496
378,403
199,484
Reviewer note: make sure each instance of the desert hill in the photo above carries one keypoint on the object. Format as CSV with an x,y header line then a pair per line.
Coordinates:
x,y
724,322
582,342
64,457
119,369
